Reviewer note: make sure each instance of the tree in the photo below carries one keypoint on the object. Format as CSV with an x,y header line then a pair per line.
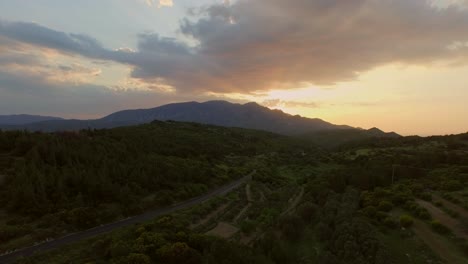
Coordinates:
x,y
135,258
179,252
308,212
292,227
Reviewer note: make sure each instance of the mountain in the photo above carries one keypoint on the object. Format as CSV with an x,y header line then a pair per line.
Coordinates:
x,y
339,137
222,113
375,132
13,120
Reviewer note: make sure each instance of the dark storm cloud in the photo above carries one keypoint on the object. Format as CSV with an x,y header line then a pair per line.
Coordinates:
x,y
256,45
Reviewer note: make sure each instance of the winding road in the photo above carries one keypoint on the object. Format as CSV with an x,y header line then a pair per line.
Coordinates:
x,y
75,237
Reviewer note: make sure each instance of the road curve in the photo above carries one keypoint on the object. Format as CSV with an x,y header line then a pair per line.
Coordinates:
x,y
75,237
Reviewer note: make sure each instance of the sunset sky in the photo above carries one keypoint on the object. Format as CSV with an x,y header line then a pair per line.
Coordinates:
x,y
400,65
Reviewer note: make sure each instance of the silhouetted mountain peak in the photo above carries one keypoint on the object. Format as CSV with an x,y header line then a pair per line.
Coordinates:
x,y
222,113
379,133
253,104
375,130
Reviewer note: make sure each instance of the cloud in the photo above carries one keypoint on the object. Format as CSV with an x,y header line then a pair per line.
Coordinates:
x,y
35,94
248,46
35,34
278,103
23,60
162,3
165,3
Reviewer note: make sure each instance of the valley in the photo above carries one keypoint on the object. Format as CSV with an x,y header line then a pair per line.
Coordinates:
x,y
301,203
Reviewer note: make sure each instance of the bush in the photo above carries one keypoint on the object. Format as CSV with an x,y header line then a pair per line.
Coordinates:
x,y
440,228
425,196
381,216
248,226
451,212
323,231
410,206
385,206
422,213
370,211
452,185
400,198
292,227
464,247
134,259
307,212
406,221
390,222
417,210
10,232
451,198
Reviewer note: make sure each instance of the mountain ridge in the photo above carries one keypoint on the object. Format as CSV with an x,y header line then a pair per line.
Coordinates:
x,y
22,119
222,113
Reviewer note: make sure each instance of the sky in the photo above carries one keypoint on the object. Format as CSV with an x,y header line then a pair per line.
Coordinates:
x,y
400,65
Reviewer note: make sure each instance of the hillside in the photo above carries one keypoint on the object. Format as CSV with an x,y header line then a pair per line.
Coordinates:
x,y
52,183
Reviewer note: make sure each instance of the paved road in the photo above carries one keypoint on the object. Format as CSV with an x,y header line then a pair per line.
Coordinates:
x,y
25,252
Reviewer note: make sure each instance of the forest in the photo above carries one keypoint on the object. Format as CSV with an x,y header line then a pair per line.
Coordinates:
x,y
373,200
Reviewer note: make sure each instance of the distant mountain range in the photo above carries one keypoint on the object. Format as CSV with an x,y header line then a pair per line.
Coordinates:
x,y
338,137
14,120
221,113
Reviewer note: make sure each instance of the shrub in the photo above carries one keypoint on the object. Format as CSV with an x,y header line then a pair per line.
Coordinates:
x,y
381,215
370,211
452,185
451,198
135,259
10,232
308,212
426,196
417,210
292,227
464,247
247,226
400,198
390,222
410,206
324,232
385,206
422,213
439,228
452,213
406,221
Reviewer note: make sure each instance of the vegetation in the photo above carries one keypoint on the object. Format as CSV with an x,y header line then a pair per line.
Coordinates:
x,y
406,221
361,202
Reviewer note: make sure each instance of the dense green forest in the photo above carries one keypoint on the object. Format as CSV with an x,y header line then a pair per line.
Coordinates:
x,y
62,182
371,200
